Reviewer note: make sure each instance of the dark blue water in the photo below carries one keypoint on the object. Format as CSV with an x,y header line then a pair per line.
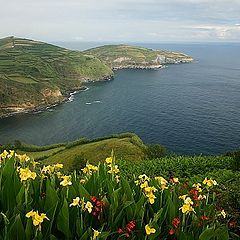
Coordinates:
x,y
190,108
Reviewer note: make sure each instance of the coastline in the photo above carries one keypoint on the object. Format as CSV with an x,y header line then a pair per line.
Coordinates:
x,y
68,97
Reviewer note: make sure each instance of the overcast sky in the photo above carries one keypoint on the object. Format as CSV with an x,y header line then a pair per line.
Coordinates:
x,y
122,20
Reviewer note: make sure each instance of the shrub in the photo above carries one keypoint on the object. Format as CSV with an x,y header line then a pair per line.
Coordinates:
x,y
156,151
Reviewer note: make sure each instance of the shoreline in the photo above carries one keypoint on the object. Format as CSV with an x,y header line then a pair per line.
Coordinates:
x,y
68,97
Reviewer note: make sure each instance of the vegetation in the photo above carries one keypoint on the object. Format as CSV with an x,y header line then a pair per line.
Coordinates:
x,y
35,74
124,56
75,154
100,203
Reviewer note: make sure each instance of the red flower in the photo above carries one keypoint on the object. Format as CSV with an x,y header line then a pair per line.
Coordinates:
x,y
175,222
171,231
93,198
204,218
128,228
120,231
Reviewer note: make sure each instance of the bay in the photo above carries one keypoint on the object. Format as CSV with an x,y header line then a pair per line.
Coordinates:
x,y
190,108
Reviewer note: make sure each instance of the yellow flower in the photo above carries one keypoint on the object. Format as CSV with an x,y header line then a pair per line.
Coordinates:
x,y
151,198
89,169
144,178
82,181
66,181
162,182
223,213
114,169
58,166
183,197
200,197
117,178
11,154
149,230
144,185
186,208
76,202
188,200
149,194
95,234
47,169
209,182
25,174
150,189
175,180
37,218
198,186
4,154
23,158
109,160
30,214
89,206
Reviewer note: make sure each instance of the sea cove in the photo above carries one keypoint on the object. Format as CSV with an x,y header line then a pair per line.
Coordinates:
x,y
190,108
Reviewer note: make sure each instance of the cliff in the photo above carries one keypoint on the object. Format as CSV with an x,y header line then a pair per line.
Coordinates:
x,y
127,57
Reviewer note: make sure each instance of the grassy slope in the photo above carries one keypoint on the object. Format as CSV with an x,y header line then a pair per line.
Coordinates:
x,y
33,73
75,155
124,55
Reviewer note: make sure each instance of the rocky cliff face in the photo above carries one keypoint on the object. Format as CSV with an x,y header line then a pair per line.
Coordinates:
x,y
132,57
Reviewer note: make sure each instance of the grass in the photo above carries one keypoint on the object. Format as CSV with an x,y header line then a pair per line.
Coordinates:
x,y
94,152
40,154
75,154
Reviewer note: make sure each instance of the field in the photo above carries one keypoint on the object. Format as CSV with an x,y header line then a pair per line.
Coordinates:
x,y
34,73
120,56
74,155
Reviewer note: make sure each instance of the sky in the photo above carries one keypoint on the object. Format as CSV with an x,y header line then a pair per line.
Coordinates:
x,y
122,20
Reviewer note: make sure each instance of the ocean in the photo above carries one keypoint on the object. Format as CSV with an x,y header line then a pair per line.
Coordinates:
x,y
189,108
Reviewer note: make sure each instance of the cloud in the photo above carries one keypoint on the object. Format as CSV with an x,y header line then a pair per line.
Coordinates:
x,y
122,20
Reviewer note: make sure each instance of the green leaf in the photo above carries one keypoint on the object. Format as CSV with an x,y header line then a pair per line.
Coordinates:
x,y
127,189
222,233
63,220
207,234
50,205
16,230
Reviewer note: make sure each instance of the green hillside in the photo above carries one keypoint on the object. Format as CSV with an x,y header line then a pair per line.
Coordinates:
x,y
74,155
124,56
35,74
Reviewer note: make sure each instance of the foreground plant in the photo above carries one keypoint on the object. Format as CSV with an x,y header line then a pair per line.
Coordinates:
x,y
99,203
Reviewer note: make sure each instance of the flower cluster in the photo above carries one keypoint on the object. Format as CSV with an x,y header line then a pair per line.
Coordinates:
x,y
7,155
50,169
22,158
26,173
163,183
90,169
113,168
66,181
196,193
143,182
97,207
37,218
79,202
175,223
209,182
127,230
187,205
